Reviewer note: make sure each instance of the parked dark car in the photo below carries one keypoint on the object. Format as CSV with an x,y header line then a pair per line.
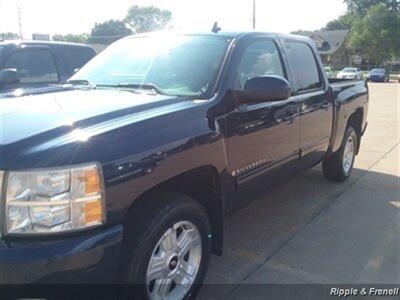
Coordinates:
x,y
378,75
126,174
28,64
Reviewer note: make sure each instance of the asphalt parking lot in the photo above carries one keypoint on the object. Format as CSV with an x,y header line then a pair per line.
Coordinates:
x,y
310,230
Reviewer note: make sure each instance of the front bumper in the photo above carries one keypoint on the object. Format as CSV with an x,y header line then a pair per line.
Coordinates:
x,y
87,258
346,77
377,79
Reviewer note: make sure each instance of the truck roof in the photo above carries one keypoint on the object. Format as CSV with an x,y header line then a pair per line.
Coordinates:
x,y
230,34
40,43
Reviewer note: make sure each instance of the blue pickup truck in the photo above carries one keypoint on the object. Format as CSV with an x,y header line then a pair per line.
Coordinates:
x,y
33,64
124,174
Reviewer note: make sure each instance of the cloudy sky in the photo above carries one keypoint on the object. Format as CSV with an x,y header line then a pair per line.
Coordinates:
x,y
79,16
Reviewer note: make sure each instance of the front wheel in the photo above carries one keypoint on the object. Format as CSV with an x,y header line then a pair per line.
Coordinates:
x,y
168,254
338,166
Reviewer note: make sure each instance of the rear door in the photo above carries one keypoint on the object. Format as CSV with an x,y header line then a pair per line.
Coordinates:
x,y
311,91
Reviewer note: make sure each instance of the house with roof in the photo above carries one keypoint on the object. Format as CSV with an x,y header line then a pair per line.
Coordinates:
x,y
331,46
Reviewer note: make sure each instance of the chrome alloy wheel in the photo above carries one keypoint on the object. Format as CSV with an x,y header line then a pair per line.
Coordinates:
x,y
175,262
348,154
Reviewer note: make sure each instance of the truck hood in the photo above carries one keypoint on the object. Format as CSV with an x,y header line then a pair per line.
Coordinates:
x,y
28,116
37,122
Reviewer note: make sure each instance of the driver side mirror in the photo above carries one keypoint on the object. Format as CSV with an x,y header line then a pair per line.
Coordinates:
x,y
9,76
264,89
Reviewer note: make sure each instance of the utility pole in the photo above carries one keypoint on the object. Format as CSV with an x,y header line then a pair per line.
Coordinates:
x,y
20,22
254,14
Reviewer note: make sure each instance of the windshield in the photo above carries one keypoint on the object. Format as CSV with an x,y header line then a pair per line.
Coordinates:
x,y
377,71
175,65
349,70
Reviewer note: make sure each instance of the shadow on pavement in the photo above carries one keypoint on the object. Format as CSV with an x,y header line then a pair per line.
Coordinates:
x,y
310,230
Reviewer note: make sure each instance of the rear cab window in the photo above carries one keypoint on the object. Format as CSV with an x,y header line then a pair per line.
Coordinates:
x,y
33,65
76,57
305,71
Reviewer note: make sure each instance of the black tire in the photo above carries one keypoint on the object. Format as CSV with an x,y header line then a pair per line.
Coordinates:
x,y
333,165
145,231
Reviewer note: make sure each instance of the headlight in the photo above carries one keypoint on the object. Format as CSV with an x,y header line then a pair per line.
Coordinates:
x,y
51,201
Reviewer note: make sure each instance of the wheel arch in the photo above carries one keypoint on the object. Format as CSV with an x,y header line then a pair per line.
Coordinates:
x,y
356,120
203,184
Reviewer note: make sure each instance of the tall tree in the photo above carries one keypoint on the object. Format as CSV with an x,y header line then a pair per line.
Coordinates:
x,y
147,18
109,31
376,36
357,9
343,22
361,7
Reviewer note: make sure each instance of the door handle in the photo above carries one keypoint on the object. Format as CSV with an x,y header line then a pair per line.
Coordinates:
x,y
325,106
289,119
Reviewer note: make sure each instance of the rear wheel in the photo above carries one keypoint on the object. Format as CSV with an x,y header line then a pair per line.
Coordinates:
x,y
167,255
339,166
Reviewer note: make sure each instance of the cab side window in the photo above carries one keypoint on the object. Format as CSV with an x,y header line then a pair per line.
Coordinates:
x,y
34,66
304,66
261,58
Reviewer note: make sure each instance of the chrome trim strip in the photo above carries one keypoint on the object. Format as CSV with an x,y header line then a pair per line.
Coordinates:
x,y
2,201
253,173
54,203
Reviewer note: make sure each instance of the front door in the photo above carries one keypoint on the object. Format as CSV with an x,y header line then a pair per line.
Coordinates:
x,y
261,137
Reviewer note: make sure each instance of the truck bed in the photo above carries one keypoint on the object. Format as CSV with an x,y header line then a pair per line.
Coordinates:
x,y
342,80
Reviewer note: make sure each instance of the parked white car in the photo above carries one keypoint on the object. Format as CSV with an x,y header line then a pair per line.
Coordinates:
x,y
350,73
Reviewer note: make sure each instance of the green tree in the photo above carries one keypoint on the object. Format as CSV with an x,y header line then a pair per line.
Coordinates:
x,y
147,18
361,7
109,31
357,9
343,22
376,36
72,38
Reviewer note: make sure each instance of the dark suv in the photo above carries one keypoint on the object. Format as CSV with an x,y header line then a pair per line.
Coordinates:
x,y
26,64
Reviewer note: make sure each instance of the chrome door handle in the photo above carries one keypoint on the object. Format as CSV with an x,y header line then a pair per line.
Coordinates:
x,y
325,106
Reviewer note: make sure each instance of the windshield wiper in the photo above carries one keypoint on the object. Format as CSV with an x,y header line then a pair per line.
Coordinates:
x,y
138,86
81,82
